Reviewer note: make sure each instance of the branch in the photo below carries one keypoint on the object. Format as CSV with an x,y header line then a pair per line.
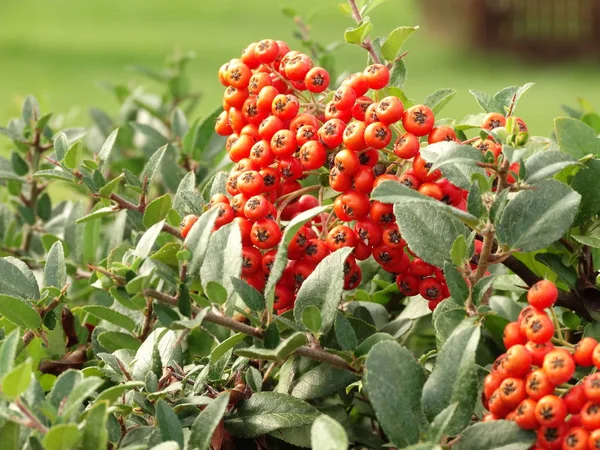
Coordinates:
x,y
570,300
367,43
313,353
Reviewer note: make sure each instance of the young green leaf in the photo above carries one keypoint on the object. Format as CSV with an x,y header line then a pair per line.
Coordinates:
x,y
8,352
153,165
107,148
197,240
327,434
394,41
344,333
15,382
358,34
62,436
394,382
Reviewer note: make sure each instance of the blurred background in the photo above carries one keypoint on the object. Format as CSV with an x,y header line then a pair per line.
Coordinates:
x,y
61,50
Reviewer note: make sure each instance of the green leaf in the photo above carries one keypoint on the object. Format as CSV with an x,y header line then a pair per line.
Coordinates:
x,y
112,394
197,240
311,319
55,174
481,288
95,434
457,162
394,41
187,185
345,9
62,436
116,340
19,312
15,382
8,352
547,164
153,165
358,35
98,214
591,241
322,381
498,206
180,125
82,390
484,100
107,148
495,435
585,182
17,279
438,99
206,423
162,339
249,295
555,262
454,378
215,292
268,411
11,436
459,290
392,192
19,165
370,5
397,80
510,95
474,202
394,382
446,318
534,219
72,156
344,333
146,242
438,426
61,146
327,434
157,210
281,351
223,260
458,252
55,270
323,288
168,423
198,137
576,138
30,110
225,346
110,315
281,257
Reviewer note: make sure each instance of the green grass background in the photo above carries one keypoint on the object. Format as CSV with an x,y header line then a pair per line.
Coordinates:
x,y
60,50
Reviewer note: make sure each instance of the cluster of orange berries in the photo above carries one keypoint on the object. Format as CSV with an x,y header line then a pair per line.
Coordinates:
x,y
283,124
528,384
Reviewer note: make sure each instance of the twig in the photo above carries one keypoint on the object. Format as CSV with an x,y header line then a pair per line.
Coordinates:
x,y
367,43
33,420
313,353
148,315
29,335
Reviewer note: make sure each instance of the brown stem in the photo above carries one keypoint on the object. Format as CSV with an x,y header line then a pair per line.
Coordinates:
x,y
33,420
367,43
313,353
148,316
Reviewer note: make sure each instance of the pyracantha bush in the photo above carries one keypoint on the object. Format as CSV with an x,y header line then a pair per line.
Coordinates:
x,y
321,262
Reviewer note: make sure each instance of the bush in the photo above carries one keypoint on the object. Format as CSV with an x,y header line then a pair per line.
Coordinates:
x,y
354,280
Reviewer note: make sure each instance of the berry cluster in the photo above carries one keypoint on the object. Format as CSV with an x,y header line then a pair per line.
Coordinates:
x,y
529,383
283,124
